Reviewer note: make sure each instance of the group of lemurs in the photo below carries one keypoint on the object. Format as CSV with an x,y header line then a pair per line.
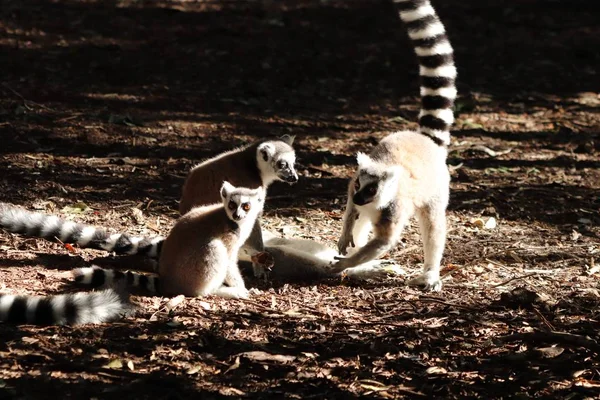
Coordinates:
x,y
222,200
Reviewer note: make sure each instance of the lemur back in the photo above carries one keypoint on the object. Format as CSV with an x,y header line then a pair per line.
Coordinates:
x,y
256,165
406,173
201,251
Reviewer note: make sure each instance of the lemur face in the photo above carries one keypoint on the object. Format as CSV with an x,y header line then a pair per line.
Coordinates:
x,y
241,202
284,168
365,189
276,159
374,182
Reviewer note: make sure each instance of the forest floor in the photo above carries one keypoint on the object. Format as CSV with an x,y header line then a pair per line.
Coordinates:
x,y
109,103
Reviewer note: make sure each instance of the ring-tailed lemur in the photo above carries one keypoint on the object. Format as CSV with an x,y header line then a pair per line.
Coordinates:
x,y
301,260
256,165
65,309
200,253
406,172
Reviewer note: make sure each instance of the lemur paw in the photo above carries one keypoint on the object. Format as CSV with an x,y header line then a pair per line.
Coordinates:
x,y
262,263
345,241
426,281
241,293
341,264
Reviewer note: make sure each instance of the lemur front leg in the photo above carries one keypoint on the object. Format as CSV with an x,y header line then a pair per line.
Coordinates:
x,y
350,216
386,234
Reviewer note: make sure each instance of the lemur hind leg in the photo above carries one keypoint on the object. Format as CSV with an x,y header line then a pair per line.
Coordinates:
x,y
236,288
234,278
432,223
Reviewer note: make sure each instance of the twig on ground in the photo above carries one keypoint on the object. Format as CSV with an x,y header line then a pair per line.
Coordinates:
x,y
23,99
553,336
543,318
514,279
440,301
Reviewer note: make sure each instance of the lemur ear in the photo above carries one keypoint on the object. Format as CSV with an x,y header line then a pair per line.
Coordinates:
x,y
266,151
363,160
260,193
289,139
226,189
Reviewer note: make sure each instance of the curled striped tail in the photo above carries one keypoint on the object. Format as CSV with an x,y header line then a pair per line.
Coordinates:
x,y
96,277
65,309
436,68
18,220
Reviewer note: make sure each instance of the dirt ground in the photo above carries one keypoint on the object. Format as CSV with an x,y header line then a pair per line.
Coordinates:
x,y
110,102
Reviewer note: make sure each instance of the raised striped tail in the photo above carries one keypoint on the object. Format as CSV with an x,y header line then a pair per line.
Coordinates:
x,y
18,220
97,277
65,309
436,68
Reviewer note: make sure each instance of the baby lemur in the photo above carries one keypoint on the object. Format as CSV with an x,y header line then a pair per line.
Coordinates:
x,y
406,173
200,253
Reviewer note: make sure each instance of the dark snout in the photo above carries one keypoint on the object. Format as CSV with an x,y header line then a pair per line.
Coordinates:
x,y
292,178
288,176
236,216
360,199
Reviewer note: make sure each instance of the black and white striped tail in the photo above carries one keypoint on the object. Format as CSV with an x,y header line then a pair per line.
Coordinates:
x,y
436,68
18,220
65,309
96,277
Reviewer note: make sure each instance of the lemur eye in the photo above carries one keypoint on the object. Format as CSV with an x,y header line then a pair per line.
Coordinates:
x,y
356,185
246,206
231,205
372,190
281,164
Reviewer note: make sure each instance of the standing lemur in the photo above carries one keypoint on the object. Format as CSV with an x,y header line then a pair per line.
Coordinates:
x,y
406,173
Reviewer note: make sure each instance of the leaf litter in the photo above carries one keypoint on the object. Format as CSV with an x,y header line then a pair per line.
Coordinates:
x,y
523,216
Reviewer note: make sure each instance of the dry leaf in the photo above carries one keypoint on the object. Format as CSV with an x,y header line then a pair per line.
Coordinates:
x,y
174,302
77,208
138,216
478,270
114,364
235,365
194,370
491,223
436,371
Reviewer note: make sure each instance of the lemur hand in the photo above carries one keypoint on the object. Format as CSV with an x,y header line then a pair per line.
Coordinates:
x,y
262,263
341,264
345,240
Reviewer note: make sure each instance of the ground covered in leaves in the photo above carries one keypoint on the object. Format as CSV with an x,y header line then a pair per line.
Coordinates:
x,y
109,103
